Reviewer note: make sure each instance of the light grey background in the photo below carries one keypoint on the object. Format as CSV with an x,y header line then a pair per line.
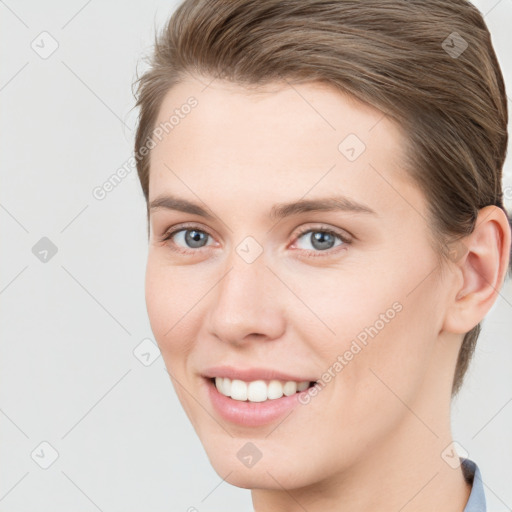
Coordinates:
x,y
69,327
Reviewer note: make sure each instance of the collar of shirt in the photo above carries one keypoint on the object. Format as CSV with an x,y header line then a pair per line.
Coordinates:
x,y
476,501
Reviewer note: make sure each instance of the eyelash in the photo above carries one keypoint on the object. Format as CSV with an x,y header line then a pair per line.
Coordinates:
x,y
314,254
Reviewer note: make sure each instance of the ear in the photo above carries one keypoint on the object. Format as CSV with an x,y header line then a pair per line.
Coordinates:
x,y
481,261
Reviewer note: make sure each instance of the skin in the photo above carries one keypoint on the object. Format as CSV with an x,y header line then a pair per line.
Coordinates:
x,y
372,438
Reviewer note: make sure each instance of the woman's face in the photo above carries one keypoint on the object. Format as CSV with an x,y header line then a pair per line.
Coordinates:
x,y
257,291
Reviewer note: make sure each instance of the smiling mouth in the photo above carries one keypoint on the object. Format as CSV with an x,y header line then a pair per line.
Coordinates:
x,y
258,390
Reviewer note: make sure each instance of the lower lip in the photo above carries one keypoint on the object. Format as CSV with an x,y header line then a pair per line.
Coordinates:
x,y
251,414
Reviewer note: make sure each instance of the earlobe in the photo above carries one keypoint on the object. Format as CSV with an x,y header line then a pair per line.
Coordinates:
x,y
482,265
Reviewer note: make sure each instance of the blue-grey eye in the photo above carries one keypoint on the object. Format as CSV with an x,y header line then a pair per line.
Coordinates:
x,y
191,238
320,240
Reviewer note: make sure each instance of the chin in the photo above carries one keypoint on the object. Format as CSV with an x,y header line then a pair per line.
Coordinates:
x,y
271,472
272,477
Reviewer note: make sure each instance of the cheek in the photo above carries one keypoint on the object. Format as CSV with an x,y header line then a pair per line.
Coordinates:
x,y
170,308
157,300
170,314
386,321
396,348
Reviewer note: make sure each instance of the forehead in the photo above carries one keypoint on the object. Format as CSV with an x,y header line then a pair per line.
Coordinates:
x,y
311,109
280,139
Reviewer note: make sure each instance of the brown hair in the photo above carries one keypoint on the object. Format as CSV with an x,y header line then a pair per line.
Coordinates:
x,y
429,65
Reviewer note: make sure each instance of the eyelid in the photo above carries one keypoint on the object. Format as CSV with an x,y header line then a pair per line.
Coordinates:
x,y
341,234
331,252
170,232
344,235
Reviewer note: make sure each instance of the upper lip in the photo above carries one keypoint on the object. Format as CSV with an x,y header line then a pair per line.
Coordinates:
x,y
251,374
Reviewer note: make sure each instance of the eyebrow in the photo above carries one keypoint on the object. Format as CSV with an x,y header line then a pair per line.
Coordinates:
x,y
278,211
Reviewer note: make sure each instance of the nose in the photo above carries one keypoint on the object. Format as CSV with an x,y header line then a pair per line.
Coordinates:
x,y
245,304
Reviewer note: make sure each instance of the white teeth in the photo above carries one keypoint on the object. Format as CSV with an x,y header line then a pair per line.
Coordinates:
x,y
290,388
219,381
238,390
226,386
258,390
274,390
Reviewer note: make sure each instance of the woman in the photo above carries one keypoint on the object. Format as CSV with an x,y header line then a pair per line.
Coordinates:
x,y
326,233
